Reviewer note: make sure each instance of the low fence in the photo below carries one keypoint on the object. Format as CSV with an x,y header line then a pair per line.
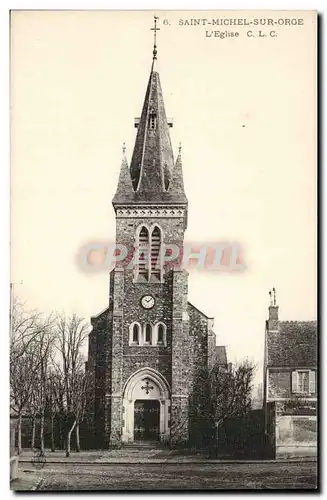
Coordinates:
x,y
244,437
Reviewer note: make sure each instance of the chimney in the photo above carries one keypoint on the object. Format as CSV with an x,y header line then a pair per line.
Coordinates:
x,y
273,312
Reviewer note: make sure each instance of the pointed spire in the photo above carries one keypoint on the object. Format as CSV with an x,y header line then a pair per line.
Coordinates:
x,y
152,160
152,177
176,186
124,190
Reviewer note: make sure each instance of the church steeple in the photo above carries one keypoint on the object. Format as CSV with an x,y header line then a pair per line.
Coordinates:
x,y
152,161
124,187
152,166
176,186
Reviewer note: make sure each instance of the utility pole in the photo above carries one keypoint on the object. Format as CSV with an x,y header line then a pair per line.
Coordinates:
x,y
11,307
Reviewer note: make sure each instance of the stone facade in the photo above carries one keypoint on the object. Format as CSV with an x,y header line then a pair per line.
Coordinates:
x,y
140,354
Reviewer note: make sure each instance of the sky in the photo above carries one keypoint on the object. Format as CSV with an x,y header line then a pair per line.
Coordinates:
x,y
244,111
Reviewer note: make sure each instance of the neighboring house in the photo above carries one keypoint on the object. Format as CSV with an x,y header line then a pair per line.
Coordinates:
x,y
290,385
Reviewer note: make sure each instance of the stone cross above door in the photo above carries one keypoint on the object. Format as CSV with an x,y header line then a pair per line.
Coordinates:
x,y
147,387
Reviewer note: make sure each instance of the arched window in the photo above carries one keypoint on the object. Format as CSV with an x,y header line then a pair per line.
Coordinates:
x,y
155,253
148,333
136,332
143,254
149,262
161,334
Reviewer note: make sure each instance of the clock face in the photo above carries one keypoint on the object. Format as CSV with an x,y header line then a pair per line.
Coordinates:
x,y
147,301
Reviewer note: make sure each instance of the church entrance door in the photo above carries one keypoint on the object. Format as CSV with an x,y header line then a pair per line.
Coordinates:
x,y
146,420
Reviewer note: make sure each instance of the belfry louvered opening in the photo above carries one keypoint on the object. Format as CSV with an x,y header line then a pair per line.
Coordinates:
x,y
149,265
143,254
155,253
152,120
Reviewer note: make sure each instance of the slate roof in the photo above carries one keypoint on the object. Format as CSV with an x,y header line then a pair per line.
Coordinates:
x,y
294,345
198,310
221,356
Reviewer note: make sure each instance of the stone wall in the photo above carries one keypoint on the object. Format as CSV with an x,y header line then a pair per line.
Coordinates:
x,y
97,366
296,436
189,343
279,383
292,431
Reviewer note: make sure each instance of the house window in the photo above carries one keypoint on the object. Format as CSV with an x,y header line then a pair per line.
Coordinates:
x,y
148,331
303,382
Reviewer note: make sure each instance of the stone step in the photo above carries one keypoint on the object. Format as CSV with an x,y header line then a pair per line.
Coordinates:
x,y
141,445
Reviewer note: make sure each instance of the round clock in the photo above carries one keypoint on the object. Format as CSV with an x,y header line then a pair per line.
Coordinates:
x,y
147,301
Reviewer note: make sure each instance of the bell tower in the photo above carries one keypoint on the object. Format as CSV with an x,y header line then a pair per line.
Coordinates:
x,y
143,347
149,310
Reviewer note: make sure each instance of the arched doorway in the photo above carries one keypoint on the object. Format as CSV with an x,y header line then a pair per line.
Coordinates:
x,y
146,407
146,420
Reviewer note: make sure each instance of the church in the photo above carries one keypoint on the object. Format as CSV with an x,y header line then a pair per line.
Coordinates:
x,y
146,347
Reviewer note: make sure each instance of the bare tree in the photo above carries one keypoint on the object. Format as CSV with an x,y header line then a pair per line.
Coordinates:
x,y
23,377
71,334
83,380
32,409
231,392
44,349
53,399
30,333
25,327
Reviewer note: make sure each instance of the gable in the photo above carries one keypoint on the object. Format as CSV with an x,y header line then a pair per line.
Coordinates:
x,y
100,317
197,311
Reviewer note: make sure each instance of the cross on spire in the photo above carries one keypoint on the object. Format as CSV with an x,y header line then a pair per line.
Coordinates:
x,y
155,29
